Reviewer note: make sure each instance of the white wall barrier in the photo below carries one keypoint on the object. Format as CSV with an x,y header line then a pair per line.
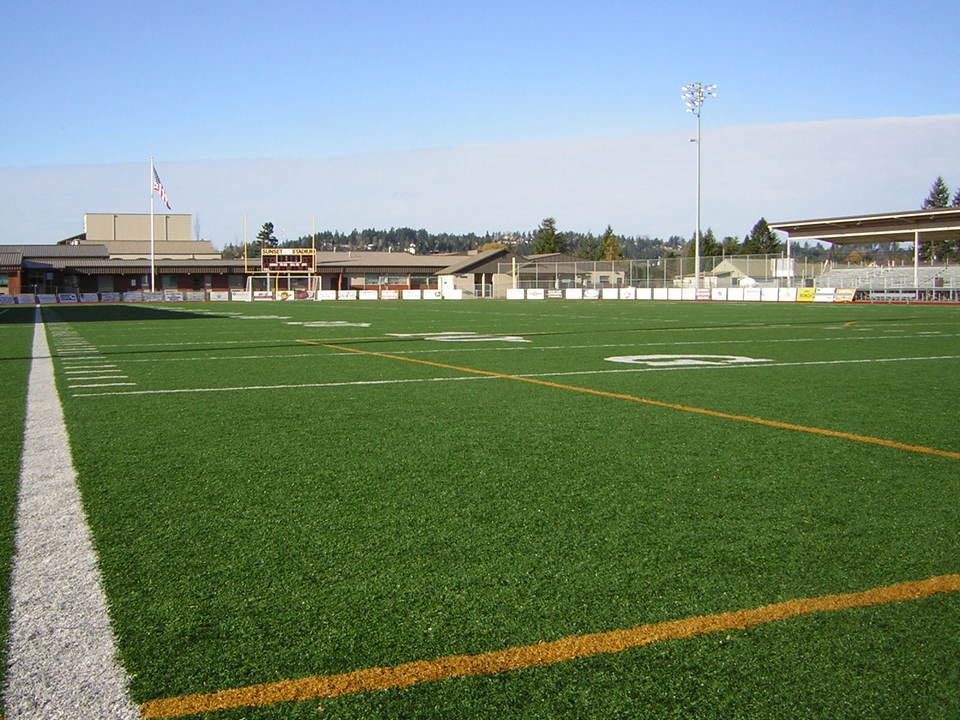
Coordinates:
x,y
411,295
368,295
573,293
431,294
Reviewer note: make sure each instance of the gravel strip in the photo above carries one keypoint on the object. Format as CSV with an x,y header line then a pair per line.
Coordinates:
x,y
62,662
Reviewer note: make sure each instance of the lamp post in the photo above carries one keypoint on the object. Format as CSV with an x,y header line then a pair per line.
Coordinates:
x,y
693,96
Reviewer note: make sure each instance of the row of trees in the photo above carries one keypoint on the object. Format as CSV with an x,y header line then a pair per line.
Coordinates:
x,y
547,238
760,240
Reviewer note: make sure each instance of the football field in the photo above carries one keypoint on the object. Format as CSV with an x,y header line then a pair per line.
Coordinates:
x,y
502,509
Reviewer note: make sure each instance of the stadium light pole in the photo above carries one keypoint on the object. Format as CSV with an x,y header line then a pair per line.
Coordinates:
x,y
693,96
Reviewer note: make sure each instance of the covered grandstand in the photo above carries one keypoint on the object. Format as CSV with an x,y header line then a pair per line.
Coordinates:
x,y
935,280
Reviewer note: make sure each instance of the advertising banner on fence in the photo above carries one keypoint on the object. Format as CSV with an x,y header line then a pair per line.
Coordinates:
x,y
628,293
411,295
262,295
824,295
89,298
516,294
389,295
6,299
844,295
346,294
788,295
806,294
326,294
219,295
769,294
432,294
68,298
241,296
453,294
610,293
195,296
718,294
536,294
367,295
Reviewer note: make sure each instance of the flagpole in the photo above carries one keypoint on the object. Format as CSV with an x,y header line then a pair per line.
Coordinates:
x,y
152,259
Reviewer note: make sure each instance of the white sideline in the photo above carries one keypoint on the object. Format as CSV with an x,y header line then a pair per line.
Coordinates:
x,y
62,661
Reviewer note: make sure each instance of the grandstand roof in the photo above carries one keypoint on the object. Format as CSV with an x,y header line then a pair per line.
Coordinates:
x,y
888,227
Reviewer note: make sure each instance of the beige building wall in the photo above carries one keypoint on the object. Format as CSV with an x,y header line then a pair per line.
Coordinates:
x,y
127,236
109,227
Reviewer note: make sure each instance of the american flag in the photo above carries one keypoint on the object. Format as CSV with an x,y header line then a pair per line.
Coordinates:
x,y
158,187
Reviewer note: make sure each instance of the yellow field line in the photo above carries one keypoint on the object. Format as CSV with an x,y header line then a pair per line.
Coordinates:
x,y
544,653
655,403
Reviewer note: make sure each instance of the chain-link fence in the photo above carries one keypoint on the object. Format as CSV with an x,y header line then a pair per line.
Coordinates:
x,y
731,271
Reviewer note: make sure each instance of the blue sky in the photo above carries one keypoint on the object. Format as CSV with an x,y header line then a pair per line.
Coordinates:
x,y
113,83
104,82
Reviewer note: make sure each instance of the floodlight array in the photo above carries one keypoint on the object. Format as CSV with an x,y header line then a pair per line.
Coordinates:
x,y
694,95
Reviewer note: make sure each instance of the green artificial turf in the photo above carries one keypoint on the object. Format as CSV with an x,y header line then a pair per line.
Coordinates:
x,y
16,338
251,535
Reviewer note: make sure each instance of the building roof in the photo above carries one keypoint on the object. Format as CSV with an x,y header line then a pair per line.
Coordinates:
x,y
56,251
112,266
887,227
161,248
473,263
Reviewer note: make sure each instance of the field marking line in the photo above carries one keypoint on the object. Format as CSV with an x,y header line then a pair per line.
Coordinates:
x,y
616,371
62,660
659,403
543,653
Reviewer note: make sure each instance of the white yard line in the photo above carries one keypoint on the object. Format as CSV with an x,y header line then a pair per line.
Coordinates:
x,y
616,371
62,661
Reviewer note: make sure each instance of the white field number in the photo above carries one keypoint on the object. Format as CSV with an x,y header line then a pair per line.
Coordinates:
x,y
684,360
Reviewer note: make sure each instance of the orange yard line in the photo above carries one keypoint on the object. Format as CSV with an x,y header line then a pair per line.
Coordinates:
x,y
656,403
544,653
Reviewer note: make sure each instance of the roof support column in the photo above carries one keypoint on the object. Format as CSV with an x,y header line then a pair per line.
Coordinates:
x,y
916,264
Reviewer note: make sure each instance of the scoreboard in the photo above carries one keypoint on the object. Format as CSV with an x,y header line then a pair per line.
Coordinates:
x,y
302,260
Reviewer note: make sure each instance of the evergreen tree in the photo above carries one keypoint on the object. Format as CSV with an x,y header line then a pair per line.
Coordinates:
x,y
587,247
547,240
266,238
610,248
939,196
708,245
761,240
730,245
956,199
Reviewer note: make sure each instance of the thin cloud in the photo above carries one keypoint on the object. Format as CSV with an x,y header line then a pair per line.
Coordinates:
x,y
641,184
